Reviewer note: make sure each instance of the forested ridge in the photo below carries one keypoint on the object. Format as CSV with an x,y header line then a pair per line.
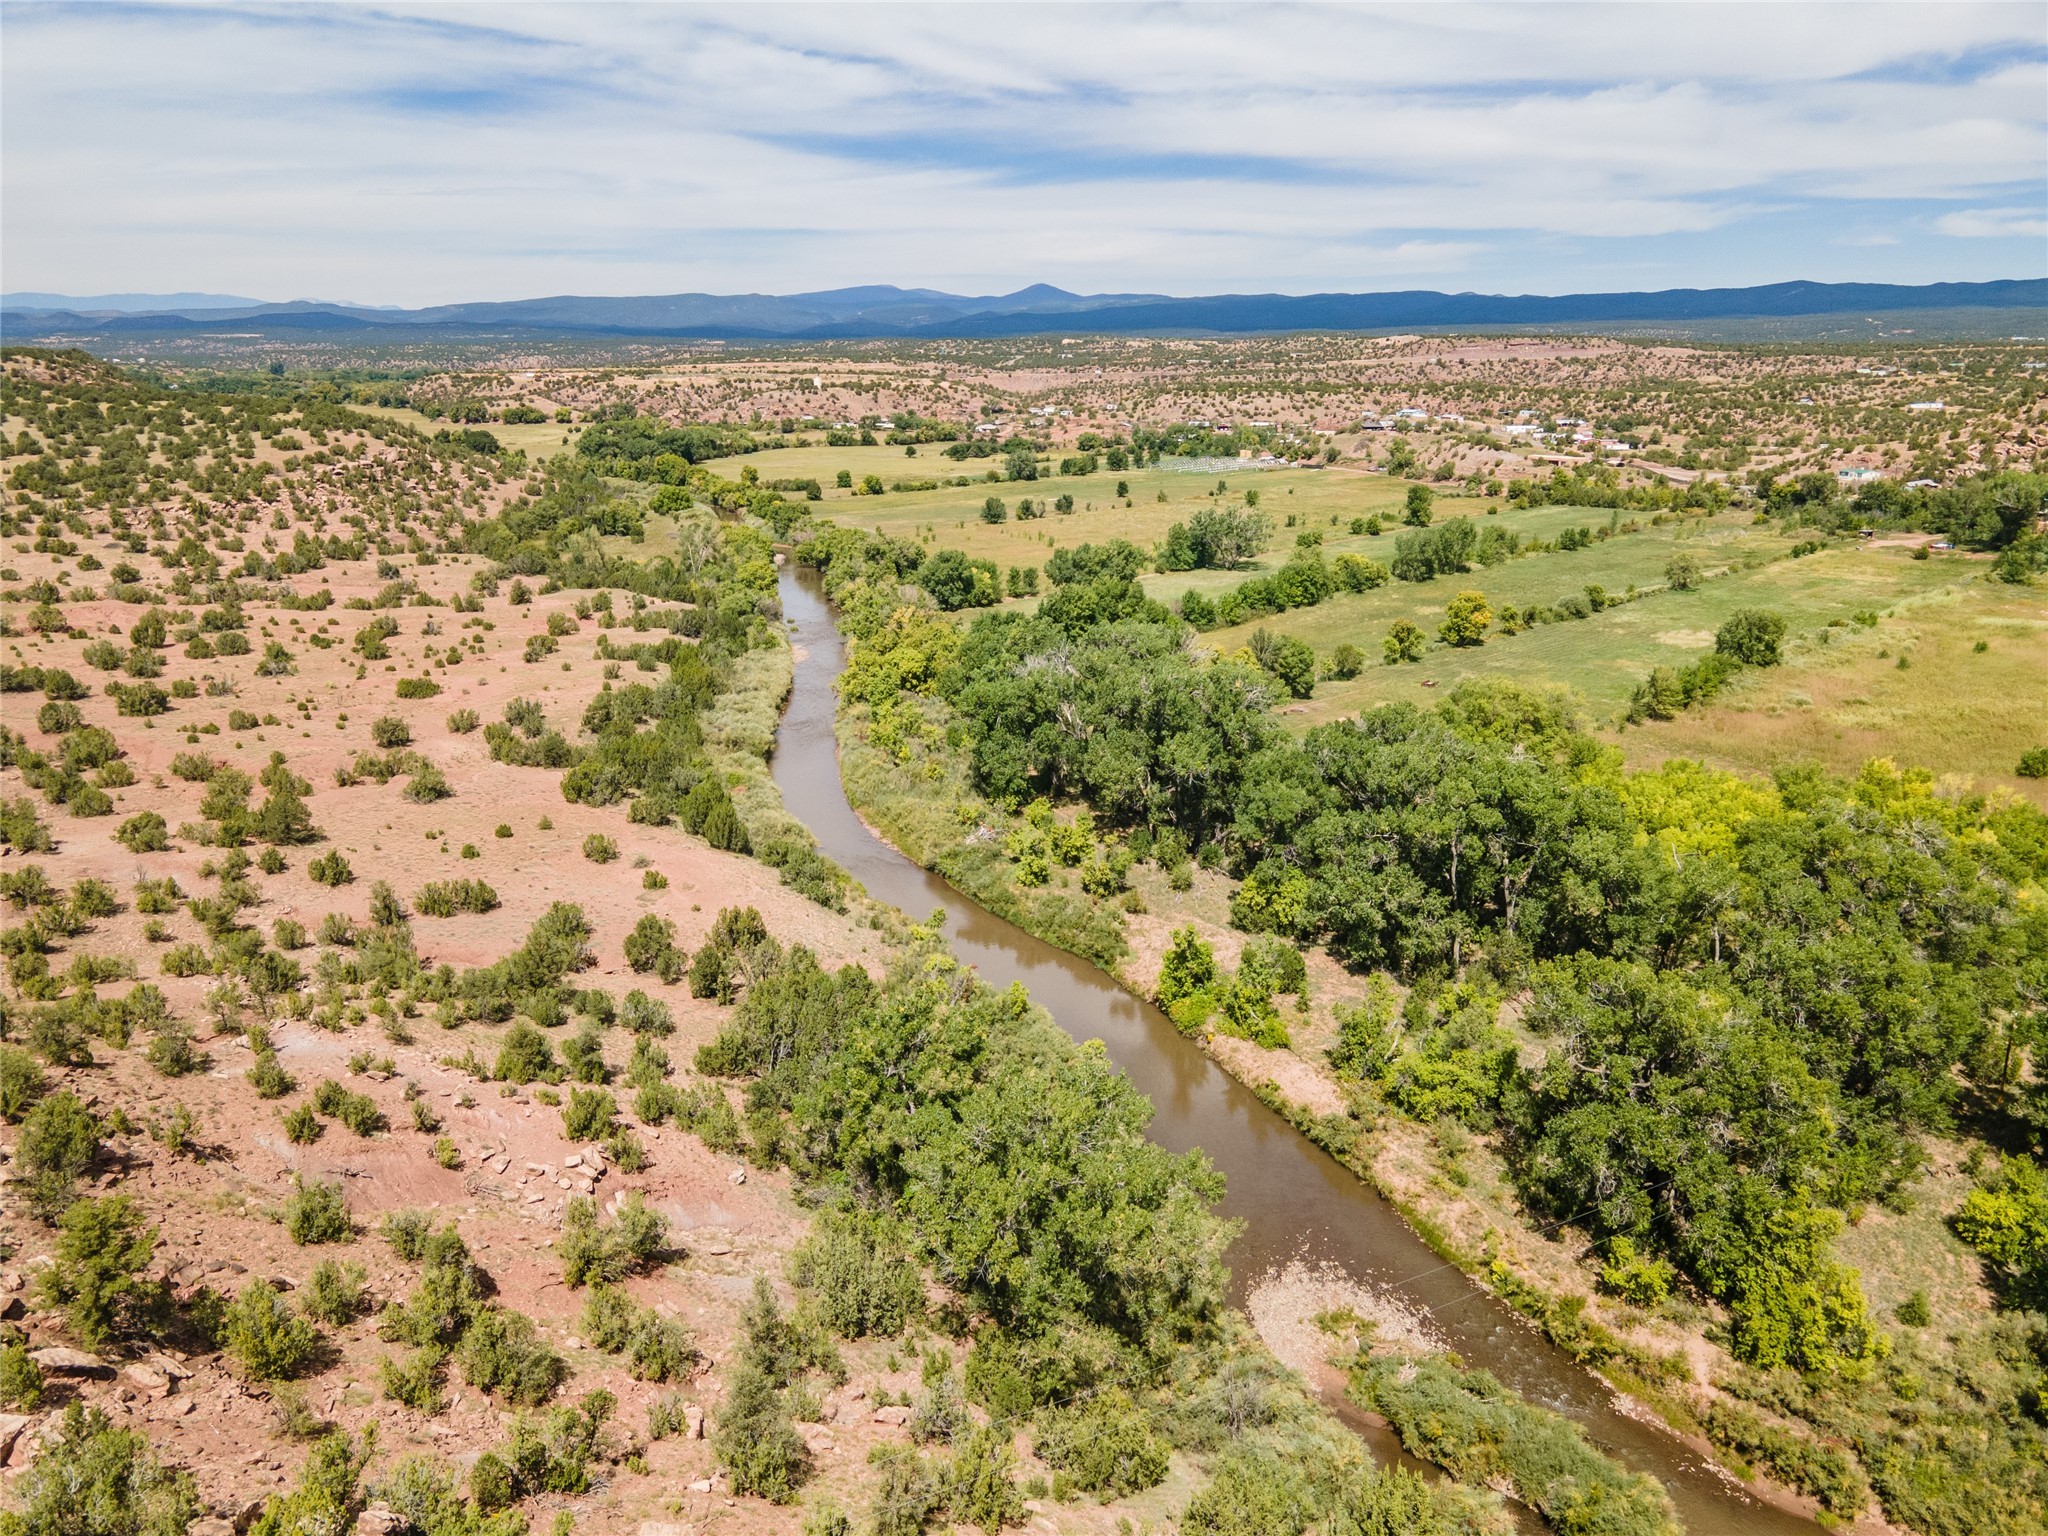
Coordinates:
x,y
1742,1006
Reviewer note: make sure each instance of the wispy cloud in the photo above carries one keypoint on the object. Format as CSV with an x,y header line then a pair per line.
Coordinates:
x,y
1995,224
411,153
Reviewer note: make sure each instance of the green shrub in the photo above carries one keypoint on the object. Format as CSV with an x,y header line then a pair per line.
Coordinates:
x,y
757,1442
645,1015
463,721
940,1416
1752,636
2006,1221
858,1269
22,1083
172,1053
317,1213
667,1415
656,1348
593,1249
1829,1474
58,717
491,1483
417,688
331,869
335,1293
330,1492
909,1492
103,1247
704,1110
651,946
93,899
357,1111
60,1138
660,1348
501,1352
1479,1432
269,1078
981,1488
185,960
21,1379
600,849
144,832
1103,1444
408,1233
606,1321
266,1339
1640,1279
389,731
424,1494
416,1379
583,1054
301,1126
524,1056
1259,1495
91,1479
2033,763
445,898
589,1115
427,785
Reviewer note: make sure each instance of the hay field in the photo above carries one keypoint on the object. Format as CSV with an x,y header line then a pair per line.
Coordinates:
x,y
1952,708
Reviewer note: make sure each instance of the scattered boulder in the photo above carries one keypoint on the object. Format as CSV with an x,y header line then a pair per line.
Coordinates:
x,y
11,1426
56,1360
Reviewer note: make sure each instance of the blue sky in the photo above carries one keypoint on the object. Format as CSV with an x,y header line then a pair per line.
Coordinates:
x,y
399,154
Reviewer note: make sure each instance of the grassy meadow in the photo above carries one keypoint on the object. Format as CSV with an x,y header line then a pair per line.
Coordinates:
x,y
537,440
1839,698
1606,655
1952,707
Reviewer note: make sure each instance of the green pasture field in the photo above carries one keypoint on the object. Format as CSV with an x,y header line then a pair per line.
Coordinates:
x,y
1606,655
537,440
951,517
1633,559
1952,709
1603,657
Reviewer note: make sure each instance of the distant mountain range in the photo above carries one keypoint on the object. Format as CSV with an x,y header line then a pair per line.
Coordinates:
x,y
883,311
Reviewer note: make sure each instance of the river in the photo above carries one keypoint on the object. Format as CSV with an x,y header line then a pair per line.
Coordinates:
x,y
1296,1202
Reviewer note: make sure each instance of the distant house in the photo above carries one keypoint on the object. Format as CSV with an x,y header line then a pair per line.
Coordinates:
x,y
1858,476
1925,405
1921,485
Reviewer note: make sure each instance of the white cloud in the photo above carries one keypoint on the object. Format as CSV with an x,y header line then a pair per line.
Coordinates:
x,y
1994,224
422,154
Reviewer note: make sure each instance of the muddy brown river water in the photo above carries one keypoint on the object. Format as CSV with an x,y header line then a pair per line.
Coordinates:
x,y
1295,1201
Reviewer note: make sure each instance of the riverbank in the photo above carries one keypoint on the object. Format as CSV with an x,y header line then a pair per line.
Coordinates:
x,y
1449,1186
914,791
